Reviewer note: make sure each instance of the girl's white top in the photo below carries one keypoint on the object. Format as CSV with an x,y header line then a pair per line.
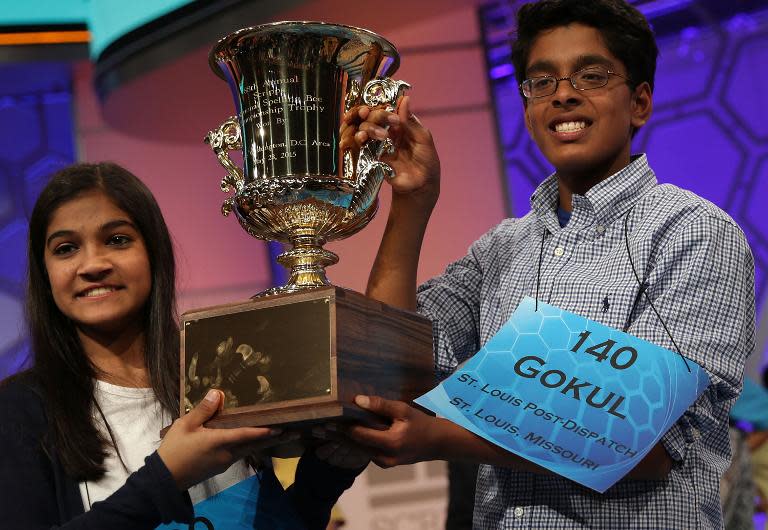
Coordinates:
x,y
136,418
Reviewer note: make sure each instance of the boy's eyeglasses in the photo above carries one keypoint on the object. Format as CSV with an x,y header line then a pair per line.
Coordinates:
x,y
585,79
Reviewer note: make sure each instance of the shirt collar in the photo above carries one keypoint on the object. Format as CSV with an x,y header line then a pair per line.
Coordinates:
x,y
604,202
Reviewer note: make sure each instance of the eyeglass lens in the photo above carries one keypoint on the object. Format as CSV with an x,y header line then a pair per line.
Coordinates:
x,y
585,79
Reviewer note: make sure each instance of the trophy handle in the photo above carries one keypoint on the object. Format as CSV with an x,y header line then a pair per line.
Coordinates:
x,y
371,172
227,137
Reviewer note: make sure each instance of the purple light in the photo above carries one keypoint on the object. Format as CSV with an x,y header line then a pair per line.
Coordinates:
x,y
663,7
501,71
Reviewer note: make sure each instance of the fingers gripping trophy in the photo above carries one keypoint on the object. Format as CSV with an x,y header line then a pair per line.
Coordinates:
x,y
292,82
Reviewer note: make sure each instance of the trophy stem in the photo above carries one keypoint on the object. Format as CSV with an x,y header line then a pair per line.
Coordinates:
x,y
307,261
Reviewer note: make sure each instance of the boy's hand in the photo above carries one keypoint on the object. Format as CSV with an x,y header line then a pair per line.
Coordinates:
x,y
410,438
415,160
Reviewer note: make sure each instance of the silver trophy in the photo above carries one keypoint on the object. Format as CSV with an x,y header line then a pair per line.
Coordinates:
x,y
292,83
305,353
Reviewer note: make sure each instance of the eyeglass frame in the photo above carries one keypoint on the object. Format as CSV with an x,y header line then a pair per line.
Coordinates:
x,y
570,78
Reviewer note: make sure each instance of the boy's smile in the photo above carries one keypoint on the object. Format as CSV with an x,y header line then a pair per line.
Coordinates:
x,y
585,134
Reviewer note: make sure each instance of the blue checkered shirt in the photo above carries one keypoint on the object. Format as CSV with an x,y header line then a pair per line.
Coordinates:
x,y
699,274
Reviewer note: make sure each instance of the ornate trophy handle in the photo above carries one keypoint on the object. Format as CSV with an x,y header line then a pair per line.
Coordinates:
x,y
370,170
384,92
225,138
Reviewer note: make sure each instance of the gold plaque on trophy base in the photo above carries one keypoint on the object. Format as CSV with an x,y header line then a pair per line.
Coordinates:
x,y
299,359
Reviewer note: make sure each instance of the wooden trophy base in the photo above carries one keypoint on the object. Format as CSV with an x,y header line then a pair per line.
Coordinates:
x,y
299,359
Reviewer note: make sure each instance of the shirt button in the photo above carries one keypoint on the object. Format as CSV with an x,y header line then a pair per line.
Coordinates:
x,y
600,229
518,512
559,251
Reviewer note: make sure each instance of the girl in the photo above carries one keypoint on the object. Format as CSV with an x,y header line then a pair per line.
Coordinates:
x,y
76,428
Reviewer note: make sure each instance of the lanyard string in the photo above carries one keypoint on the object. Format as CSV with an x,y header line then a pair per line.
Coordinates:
x,y
538,274
642,291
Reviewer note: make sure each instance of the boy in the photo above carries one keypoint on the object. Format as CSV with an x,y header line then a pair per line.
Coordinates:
x,y
603,240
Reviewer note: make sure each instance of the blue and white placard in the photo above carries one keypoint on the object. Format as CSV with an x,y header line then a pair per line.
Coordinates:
x,y
570,394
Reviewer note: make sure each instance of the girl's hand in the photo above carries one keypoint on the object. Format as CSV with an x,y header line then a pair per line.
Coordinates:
x,y
193,453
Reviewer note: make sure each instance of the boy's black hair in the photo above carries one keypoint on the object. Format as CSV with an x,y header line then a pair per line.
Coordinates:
x,y
625,30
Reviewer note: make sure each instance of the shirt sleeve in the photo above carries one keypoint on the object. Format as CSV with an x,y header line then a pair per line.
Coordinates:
x,y
702,286
148,498
452,302
33,490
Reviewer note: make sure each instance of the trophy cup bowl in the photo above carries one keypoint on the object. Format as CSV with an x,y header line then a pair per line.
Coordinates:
x,y
299,353
292,83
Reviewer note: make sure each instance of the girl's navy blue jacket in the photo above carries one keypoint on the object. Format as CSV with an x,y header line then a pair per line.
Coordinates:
x,y
36,492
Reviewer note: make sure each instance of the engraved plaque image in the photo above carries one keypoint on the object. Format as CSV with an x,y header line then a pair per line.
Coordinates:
x,y
259,358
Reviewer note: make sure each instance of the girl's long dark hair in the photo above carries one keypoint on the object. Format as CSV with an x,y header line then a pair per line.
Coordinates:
x,y
61,369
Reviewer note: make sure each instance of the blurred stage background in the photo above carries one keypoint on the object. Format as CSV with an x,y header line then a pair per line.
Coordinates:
x,y
129,82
